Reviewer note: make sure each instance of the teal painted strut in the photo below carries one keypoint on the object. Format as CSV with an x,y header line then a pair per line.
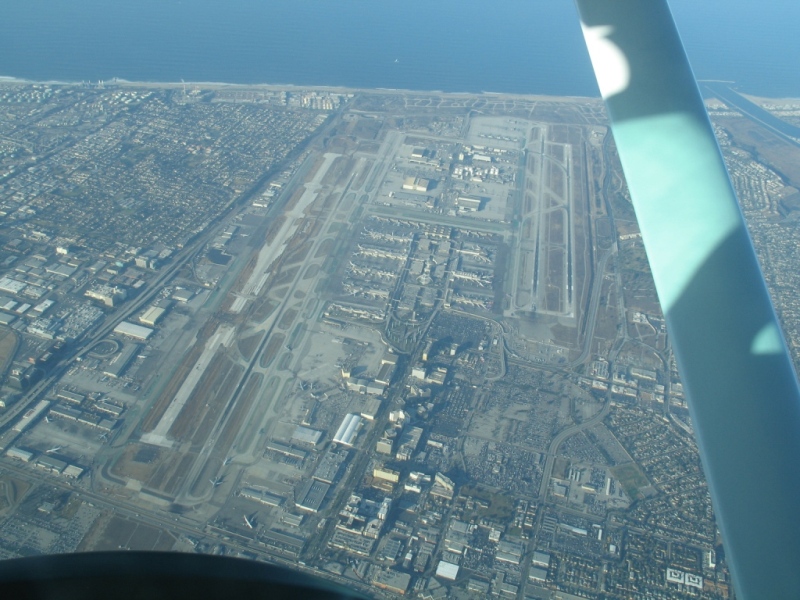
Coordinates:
x,y
737,373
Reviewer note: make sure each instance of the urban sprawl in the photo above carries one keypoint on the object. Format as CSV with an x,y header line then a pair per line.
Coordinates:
x,y
405,341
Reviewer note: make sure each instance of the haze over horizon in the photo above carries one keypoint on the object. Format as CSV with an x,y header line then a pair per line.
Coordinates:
x,y
516,47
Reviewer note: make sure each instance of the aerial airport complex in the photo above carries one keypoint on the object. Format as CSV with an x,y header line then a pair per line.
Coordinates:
x,y
408,342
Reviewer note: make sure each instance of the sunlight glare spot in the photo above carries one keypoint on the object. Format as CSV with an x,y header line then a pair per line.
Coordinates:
x,y
610,63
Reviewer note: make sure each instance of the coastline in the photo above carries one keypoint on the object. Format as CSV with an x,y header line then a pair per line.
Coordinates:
x,y
277,87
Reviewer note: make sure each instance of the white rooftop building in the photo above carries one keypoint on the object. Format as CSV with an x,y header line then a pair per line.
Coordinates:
x,y
348,429
132,330
447,570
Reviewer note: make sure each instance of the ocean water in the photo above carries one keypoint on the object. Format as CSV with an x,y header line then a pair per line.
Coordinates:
x,y
514,46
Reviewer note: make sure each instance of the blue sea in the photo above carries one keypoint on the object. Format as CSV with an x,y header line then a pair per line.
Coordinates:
x,y
514,46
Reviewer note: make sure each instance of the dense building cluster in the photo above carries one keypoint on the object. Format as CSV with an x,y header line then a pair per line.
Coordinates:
x,y
415,350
